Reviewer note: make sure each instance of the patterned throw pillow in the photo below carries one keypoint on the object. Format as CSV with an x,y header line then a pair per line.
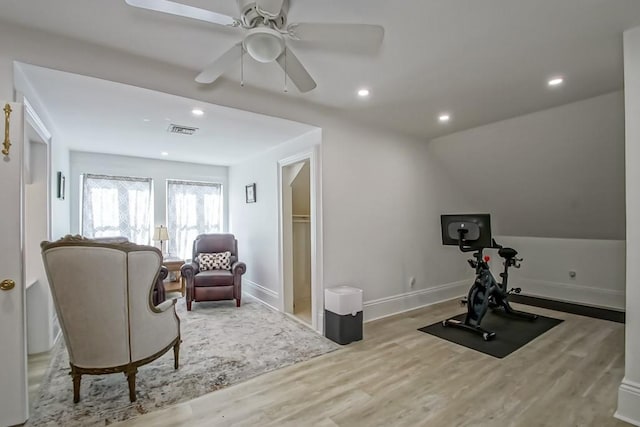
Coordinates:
x,y
215,261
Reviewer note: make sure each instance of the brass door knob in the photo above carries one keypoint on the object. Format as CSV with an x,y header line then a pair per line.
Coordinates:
x,y
7,285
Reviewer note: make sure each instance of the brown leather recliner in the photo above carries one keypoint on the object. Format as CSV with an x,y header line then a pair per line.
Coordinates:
x,y
214,285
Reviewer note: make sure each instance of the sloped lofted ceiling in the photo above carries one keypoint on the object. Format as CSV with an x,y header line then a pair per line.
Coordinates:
x,y
554,173
481,61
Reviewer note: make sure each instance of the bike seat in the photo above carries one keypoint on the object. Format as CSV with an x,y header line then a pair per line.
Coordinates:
x,y
507,253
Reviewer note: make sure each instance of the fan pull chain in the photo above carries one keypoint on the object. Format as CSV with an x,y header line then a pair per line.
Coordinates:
x,y
285,70
242,68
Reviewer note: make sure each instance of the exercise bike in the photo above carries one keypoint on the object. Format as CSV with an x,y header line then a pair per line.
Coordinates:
x,y
486,293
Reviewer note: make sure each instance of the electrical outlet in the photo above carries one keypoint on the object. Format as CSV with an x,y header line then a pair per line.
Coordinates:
x,y
572,274
412,281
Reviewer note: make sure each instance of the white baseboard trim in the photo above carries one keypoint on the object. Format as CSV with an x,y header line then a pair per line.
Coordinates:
x,y
389,306
570,292
320,324
262,294
629,402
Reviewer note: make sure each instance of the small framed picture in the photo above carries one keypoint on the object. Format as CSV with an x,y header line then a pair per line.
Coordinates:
x,y
250,192
61,185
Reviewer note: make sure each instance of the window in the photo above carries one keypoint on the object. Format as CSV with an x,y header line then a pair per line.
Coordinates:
x,y
192,208
116,206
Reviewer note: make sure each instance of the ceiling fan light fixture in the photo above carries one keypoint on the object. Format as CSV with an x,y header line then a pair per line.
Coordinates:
x,y
264,44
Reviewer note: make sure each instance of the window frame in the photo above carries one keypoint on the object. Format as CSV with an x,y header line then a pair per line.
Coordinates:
x,y
194,183
121,178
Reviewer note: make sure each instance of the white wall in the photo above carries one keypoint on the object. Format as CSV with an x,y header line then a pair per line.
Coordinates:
x,y
553,182
158,170
629,392
39,304
599,267
35,203
301,246
256,225
384,194
382,198
300,188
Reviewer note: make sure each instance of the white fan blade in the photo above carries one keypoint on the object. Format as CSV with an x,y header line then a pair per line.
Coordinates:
x,y
296,71
220,65
270,8
184,10
337,33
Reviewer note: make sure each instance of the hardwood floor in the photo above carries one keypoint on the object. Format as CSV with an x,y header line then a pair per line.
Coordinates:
x,y
37,365
398,376
302,310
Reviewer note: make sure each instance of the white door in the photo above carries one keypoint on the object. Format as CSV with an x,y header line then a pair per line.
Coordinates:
x,y
13,379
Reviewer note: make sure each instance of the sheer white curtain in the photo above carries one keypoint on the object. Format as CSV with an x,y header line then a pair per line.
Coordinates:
x,y
192,208
116,206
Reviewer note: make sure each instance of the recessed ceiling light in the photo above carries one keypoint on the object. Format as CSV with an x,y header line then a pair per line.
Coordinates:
x,y
363,93
556,81
146,120
197,112
164,153
444,117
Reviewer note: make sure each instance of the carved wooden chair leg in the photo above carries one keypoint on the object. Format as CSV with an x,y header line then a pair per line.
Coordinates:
x,y
131,378
176,354
76,384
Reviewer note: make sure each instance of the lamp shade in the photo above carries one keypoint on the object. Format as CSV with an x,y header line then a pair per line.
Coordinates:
x,y
264,44
160,234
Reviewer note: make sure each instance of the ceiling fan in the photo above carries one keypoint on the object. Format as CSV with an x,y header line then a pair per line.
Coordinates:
x,y
266,32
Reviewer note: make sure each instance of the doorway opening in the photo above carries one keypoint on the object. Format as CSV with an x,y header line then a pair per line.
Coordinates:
x,y
299,220
298,174
42,328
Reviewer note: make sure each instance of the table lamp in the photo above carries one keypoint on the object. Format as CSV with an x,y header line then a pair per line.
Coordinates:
x,y
161,234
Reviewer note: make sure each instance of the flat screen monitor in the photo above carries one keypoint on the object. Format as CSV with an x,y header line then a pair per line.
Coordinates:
x,y
477,226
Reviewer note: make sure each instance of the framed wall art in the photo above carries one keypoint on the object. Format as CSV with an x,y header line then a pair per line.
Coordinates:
x,y
61,185
250,193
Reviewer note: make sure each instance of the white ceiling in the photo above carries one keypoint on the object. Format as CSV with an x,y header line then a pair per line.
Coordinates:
x,y
482,61
104,117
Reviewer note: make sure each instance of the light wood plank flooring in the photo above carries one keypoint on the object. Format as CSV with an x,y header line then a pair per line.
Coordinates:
x,y
399,376
302,310
37,365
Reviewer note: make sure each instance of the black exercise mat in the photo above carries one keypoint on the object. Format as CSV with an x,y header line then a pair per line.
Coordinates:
x,y
511,334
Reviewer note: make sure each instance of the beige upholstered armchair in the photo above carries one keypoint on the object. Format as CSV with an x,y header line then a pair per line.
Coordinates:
x,y
215,273
159,294
103,295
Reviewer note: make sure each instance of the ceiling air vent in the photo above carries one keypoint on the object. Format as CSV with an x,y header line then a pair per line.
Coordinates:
x,y
182,130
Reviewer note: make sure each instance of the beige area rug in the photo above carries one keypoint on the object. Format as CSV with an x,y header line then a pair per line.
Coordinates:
x,y
221,346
